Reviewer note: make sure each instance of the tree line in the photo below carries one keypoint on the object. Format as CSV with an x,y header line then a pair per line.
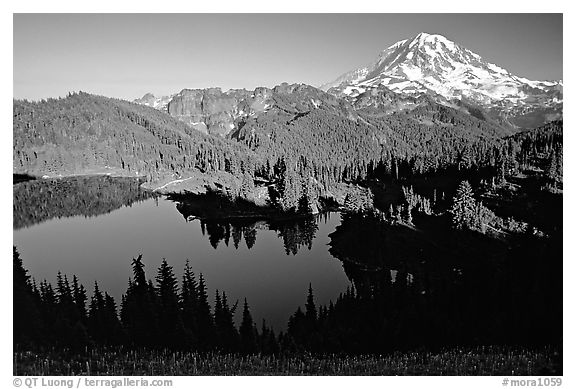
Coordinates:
x,y
160,314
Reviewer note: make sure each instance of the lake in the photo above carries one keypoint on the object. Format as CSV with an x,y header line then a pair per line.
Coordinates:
x,y
416,284
93,227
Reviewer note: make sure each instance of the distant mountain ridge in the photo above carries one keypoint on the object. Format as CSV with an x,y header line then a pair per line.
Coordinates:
x,y
406,74
430,64
212,111
160,103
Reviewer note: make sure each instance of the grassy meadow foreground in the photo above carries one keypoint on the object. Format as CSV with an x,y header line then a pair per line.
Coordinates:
x,y
455,361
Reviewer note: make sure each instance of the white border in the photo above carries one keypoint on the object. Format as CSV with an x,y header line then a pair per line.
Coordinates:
x,y
489,6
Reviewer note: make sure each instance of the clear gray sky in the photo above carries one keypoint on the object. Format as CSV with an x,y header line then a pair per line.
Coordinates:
x,y
127,55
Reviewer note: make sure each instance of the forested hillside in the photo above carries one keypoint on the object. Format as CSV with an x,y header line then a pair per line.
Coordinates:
x,y
83,132
326,144
437,137
302,144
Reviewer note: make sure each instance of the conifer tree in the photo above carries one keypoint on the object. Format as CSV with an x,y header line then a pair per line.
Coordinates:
x,y
463,206
204,316
248,333
171,328
311,313
226,325
139,311
96,315
80,298
189,303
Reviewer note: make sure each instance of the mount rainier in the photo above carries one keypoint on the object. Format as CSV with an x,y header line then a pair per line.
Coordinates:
x,y
430,64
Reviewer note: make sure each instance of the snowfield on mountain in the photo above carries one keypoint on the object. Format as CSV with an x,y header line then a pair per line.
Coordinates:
x,y
433,65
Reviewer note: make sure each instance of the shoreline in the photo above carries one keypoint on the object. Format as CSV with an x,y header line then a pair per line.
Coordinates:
x,y
203,206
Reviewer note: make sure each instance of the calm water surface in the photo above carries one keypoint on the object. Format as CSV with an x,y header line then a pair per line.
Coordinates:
x,y
434,285
101,247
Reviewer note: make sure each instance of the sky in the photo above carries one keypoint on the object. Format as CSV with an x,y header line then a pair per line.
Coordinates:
x,y
128,55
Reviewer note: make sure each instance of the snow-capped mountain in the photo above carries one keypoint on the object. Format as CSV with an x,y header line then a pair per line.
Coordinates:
x,y
160,103
433,65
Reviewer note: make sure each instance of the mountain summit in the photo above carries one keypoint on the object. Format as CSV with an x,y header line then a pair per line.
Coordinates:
x,y
434,65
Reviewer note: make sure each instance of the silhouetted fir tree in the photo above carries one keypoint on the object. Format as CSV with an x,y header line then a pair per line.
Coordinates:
x,y
49,310
80,298
267,343
265,340
189,304
226,332
139,312
37,296
70,322
139,273
204,317
67,314
104,327
248,332
115,332
217,308
171,328
297,327
60,289
272,343
71,306
26,320
219,321
330,309
322,314
311,313
96,316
